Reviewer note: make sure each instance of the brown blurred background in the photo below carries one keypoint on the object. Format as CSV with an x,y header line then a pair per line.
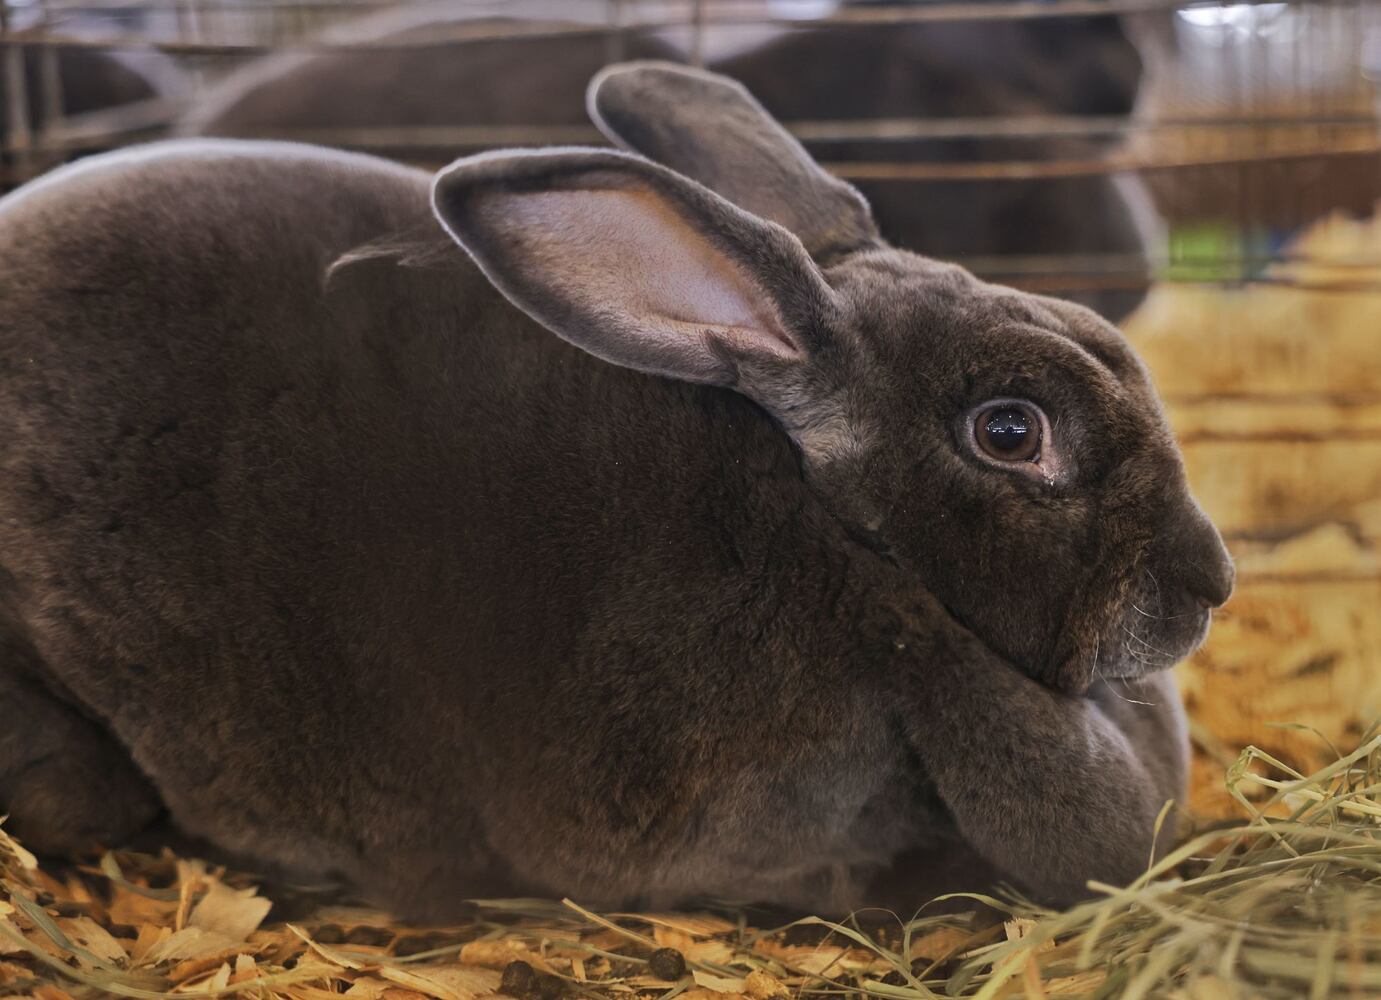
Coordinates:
x,y
1204,174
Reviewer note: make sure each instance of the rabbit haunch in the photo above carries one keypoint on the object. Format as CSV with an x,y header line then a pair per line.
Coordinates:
x,y
572,516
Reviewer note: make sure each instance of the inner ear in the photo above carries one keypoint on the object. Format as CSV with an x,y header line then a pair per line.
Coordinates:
x,y
626,252
638,265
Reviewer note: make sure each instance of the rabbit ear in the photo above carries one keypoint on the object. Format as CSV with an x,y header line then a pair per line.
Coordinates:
x,y
637,265
710,128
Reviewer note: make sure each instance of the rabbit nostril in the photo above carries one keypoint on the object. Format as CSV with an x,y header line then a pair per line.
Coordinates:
x,y
1212,589
1199,586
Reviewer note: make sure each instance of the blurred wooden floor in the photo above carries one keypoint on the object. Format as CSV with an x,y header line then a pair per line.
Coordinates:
x,y
1274,390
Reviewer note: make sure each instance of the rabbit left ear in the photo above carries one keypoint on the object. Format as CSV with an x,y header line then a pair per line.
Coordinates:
x,y
637,265
711,129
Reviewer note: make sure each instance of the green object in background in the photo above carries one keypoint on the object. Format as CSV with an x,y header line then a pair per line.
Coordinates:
x,y
1205,252
1221,252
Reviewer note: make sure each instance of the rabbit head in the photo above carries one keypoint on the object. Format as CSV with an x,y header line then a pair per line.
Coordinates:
x,y
1006,452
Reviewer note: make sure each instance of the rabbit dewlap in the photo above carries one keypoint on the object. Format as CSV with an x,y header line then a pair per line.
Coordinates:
x,y
676,536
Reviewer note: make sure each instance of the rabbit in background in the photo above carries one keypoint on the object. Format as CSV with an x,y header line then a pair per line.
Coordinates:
x,y
676,537
88,80
1040,66
360,85
69,76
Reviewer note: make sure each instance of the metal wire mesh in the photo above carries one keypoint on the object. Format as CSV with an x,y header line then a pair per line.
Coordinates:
x,y
1252,118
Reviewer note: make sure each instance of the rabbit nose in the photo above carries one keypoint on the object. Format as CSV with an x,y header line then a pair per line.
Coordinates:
x,y
1207,573
1215,592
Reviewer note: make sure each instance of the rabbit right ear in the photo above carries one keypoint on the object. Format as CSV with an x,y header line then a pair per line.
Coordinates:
x,y
709,128
641,267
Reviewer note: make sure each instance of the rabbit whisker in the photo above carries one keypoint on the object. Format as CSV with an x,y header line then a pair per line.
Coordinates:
x,y
1159,618
1142,658
1130,701
1112,683
1148,645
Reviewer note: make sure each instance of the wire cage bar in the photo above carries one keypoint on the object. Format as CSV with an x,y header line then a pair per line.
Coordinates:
x,y
1260,91
1255,116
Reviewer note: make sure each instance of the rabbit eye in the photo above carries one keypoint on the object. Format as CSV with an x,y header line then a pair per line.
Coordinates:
x,y
1008,432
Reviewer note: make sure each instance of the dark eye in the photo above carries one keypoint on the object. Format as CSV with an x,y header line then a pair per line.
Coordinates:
x,y
1008,432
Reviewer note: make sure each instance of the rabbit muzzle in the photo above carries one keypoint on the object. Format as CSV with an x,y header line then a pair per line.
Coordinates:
x,y
1185,574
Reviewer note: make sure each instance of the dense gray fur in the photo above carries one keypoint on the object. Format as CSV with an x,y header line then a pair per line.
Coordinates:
x,y
311,535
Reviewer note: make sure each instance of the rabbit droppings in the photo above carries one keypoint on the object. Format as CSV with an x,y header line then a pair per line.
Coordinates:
x,y
683,538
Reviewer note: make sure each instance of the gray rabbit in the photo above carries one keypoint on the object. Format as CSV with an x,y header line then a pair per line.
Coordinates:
x,y
88,80
682,538
67,75
361,84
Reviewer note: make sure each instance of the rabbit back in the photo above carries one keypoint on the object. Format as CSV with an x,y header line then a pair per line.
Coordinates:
x,y
368,572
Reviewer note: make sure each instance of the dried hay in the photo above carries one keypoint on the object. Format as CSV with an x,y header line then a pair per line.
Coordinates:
x,y
1284,904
